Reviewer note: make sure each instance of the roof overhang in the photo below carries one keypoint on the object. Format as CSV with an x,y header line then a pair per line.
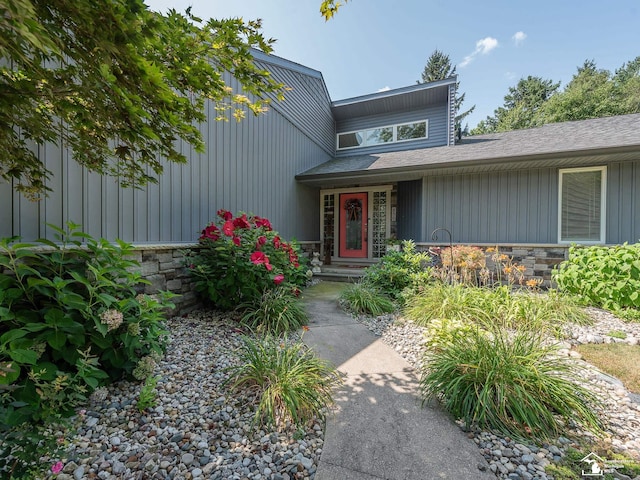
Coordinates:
x,y
399,99
371,176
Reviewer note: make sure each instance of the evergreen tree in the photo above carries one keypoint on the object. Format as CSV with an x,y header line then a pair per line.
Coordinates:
x,y
439,67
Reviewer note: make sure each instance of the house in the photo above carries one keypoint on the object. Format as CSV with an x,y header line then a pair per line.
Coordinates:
x,y
343,176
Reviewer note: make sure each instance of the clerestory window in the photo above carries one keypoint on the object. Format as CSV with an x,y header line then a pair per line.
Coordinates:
x,y
401,132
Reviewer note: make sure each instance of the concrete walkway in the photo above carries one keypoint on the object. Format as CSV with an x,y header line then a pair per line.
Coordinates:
x,y
379,430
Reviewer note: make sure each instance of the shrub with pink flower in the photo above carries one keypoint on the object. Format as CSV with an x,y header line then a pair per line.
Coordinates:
x,y
240,257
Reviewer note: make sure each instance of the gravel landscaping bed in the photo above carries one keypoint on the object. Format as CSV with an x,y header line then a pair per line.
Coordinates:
x,y
510,459
196,430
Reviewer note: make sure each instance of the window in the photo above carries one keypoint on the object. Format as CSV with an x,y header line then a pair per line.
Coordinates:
x,y
380,135
388,134
582,205
410,131
350,140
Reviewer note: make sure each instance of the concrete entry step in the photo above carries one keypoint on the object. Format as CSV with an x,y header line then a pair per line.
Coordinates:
x,y
341,273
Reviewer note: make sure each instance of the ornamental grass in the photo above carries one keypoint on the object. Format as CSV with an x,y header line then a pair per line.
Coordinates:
x,y
485,306
363,298
509,382
276,312
291,386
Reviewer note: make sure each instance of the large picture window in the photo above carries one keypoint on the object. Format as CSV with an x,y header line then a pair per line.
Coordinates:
x,y
581,216
388,134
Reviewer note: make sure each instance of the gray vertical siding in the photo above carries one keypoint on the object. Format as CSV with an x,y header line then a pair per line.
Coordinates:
x,y
623,202
522,206
408,218
498,207
248,166
307,103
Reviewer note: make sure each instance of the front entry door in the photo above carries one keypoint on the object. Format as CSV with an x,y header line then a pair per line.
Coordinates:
x,y
353,225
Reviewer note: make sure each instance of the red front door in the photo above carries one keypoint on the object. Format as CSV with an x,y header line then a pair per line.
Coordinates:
x,y
353,225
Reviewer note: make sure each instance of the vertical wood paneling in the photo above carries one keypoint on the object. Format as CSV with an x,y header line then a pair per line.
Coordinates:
x,y
409,221
502,207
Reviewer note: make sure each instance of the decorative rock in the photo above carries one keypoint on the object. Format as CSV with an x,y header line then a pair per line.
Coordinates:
x,y
78,473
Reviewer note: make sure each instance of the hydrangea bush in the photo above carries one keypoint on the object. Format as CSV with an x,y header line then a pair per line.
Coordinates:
x,y
71,319
240,257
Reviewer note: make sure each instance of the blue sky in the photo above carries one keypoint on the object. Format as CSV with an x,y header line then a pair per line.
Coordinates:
x,y
379,44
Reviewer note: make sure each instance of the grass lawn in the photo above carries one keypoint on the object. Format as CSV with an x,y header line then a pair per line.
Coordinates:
x,y
616,359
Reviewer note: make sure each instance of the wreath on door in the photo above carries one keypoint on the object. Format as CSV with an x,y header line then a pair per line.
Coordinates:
x,y
354,209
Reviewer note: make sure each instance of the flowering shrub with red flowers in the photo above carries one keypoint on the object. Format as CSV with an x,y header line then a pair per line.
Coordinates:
x,y
240,257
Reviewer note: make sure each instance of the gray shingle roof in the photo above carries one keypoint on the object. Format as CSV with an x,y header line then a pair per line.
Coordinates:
x,y
586,137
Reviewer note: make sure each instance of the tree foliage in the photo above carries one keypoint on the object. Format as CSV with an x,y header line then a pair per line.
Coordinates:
x,y
521,106
118,84
439,67
591,93
328,8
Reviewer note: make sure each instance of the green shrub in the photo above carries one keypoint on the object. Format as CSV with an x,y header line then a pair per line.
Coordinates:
x,y
607,277
397,270
27,451
239,258
277,311
147,398
362,298
291,384
70,319
508,382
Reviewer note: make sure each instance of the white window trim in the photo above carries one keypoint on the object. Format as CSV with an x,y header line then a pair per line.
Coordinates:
x,y
603,206
364,131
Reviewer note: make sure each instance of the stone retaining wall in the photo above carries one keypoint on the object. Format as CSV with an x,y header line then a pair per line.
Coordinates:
x,y
164,267
539,260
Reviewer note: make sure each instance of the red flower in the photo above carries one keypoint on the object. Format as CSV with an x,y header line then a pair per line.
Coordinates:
x,y
236,241
296,291
242,222
263,222
258,258
278,279
225,214
227,228
211,232
276,242
261,241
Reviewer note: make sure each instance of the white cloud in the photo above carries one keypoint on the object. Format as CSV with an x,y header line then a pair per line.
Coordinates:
x,y
384,89
483,47
519,37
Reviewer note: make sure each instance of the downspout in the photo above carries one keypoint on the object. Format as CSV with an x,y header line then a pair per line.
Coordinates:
x,y
451,114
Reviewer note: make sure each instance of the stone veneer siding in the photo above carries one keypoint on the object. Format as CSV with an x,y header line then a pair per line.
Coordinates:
x,y
164,266
539,260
